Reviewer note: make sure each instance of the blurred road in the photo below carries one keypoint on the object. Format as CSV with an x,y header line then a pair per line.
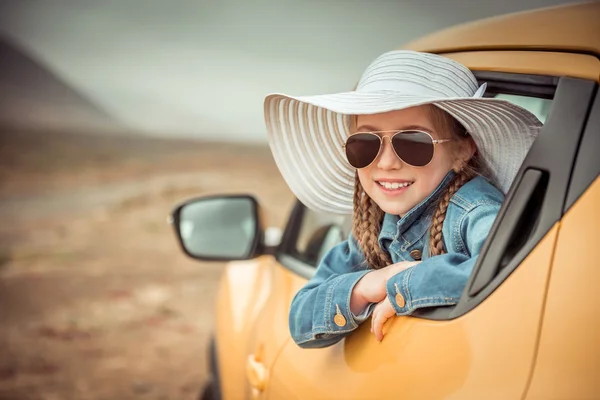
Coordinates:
x,y
96,299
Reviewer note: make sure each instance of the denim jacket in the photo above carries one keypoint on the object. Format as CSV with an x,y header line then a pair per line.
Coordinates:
x,y
435,281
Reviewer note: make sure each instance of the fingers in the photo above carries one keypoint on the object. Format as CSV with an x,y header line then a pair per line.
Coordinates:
x,y
381,313
377,328
377,320
373,315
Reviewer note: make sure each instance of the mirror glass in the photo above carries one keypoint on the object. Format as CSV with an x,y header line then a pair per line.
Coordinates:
x,y
219,227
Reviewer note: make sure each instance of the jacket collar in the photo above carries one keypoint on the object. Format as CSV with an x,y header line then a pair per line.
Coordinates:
x,y
393,226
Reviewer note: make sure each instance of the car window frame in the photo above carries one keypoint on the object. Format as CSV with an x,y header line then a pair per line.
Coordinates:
x,y
285,253
569,112
540,86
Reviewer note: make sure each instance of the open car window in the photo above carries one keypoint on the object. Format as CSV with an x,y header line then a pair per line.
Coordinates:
x,y
534,203
537,106
317,232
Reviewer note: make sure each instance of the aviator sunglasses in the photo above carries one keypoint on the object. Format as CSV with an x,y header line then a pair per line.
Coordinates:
x,y
413,147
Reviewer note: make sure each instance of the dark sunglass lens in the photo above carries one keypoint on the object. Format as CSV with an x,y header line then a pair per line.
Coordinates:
x,y
362,149
414,148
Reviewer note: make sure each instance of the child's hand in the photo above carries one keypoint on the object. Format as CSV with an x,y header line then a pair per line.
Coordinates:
x,y
372,287
381,313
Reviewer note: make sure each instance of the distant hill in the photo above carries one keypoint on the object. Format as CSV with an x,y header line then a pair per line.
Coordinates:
x,y
34,97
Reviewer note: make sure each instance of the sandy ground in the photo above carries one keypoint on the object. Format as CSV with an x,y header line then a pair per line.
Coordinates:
x,y
96,299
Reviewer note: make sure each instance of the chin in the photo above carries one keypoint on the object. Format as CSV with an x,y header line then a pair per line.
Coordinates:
x,y
394,208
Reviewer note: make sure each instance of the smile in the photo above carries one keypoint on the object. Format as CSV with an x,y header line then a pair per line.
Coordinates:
x,y
394,185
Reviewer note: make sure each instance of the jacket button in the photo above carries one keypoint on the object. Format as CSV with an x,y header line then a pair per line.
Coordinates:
x,y
416,254
400,300
339,320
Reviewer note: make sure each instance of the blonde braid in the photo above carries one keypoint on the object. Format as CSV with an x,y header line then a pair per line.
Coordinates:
x,y
366,227
436,240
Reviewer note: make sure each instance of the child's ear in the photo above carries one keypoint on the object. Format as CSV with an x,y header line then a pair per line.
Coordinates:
x,y
471,148
466,151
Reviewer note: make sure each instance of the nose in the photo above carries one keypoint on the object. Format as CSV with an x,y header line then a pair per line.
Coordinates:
x,y
387,158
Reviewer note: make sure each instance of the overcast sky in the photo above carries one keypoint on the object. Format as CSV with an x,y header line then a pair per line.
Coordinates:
x,y
202,68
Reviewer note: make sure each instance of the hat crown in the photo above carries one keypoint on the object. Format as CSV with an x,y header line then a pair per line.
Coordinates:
x,y
418,74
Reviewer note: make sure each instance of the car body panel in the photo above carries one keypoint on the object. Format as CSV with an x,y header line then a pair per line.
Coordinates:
x,y
487,353
492,350
568,359
532,63
571,28
251,321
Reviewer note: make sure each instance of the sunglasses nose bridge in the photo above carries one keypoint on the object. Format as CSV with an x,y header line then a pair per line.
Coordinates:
x,y
387,154
382,142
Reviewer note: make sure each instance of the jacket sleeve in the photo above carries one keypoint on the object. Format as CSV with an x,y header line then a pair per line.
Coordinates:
x,y
312,320
440,280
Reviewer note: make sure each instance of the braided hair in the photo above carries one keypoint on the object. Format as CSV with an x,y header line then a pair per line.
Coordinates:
x,y
368,217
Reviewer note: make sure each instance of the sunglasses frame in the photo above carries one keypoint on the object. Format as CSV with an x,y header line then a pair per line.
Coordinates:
x,y
381,138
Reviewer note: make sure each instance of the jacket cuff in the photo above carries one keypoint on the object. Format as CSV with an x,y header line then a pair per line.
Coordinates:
x,y
408,292
398,292
337,313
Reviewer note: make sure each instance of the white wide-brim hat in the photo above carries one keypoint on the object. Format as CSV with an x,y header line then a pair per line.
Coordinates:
x,y
307,133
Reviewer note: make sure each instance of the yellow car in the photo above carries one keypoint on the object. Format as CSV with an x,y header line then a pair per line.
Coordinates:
x,y
528,323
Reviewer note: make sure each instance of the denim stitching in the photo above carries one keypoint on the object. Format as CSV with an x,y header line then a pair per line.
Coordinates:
x,y
463,245
422,305
486,202
444,299
456,236
351,317
305,336
458,199
327,317
405,248
407,300
328,300
399,254
483,202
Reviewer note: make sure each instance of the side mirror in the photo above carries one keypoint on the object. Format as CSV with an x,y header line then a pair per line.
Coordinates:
x,y
219,228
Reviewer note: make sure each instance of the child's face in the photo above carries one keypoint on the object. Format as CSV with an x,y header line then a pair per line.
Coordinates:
x,y
388,167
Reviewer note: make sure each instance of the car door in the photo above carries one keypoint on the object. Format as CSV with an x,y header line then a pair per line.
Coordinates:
x,y
568,357
485,346
251,319
261,291
251,325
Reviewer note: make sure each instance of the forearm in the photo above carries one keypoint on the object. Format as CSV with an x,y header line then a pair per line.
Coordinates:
x,y
437,281
322,312
371,288
358,302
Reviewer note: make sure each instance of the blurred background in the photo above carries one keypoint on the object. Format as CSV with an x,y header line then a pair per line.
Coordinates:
x,y
112,112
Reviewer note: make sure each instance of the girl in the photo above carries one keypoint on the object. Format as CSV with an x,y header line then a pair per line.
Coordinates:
x,y
423,160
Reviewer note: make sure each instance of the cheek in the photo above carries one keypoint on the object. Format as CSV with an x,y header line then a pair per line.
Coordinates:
x,y
430,177
427,182
443,159
364,176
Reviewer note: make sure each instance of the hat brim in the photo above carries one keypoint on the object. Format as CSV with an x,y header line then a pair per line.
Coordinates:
x,y
307,133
